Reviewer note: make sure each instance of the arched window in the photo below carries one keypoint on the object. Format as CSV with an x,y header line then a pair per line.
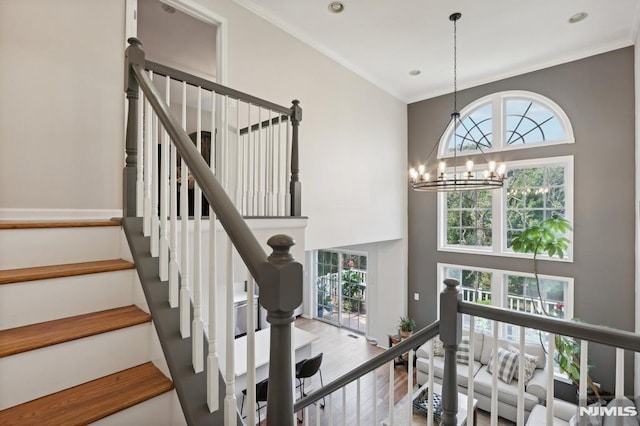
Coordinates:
x,y
485,221
507,120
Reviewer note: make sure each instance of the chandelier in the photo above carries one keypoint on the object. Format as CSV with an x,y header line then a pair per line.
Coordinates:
x,y
465,179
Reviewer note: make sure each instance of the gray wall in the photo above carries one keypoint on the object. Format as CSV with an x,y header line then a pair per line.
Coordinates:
x,y
597,93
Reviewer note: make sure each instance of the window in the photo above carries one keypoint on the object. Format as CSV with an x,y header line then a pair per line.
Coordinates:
x,y
512,290
485,221
507,120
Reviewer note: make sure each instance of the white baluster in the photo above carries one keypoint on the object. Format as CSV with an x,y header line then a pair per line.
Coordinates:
x,y
279,171
239,160
317,414
155,220
305,414
410,386
330,409
212,359
375,398
358,401
148,119
520,405
430,381
472,350
174,280
287,195
251,351
619,373
140,159
552,350
250,164
197,326
185,292
344,405
164,195
582,390
494,376
391,387
230,402
225,143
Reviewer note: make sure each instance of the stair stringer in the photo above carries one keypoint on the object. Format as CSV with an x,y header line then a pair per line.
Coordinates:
x,y
191,388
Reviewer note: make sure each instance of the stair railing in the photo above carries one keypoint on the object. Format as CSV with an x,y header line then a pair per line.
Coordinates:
x,y
151,160
449,328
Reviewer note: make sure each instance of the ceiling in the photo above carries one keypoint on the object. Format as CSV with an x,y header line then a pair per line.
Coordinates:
x,y
382,40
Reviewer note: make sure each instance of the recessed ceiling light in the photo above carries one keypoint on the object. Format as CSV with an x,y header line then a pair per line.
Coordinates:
x,y
336,7
414,72
578,17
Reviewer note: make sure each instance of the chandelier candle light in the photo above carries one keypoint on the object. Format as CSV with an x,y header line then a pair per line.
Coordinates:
x,y
491,178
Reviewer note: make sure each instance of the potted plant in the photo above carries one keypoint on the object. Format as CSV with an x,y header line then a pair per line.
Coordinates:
x,y
406,326
549,237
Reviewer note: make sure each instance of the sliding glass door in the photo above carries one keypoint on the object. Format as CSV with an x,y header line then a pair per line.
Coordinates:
x,y
341,289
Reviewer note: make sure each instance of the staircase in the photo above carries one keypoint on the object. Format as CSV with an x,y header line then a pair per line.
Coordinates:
x,y
76,339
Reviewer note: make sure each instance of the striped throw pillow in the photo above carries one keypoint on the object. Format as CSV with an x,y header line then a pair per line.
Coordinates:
x,y
462,355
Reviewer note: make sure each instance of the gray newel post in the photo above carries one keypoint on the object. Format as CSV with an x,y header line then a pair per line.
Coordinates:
x,y
295,189
451,335
134,55
280,294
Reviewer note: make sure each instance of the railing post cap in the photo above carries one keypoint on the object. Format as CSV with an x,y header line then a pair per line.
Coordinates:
x,y
134,41
295,102
451,283
281,245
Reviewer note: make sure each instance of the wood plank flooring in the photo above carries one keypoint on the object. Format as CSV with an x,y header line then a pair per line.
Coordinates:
x,y
10,276
341,353
29,337
92,401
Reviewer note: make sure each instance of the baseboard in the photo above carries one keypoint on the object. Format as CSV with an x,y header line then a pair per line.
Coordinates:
x,y
58,214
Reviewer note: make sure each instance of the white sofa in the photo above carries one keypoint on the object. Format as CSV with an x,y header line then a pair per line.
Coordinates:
x,y
535,389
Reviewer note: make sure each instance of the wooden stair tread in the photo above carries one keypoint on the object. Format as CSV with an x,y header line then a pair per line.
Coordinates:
x,y
36,224
35,336
91,401
9,276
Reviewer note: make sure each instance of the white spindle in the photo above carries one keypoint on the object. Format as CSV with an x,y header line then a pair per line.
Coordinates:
x,y
173,228
582,389
344,405
226,160
375,398
520,405
261,165
472,349
164,195
391,383
287,171
619,373
140,158
185,295
155,220
271,211
317,414
279,171
552,350
212,358
251,350
250,166
305,415
148,119
430,385
494,376
409,386
330,409
230,403
358,401
239,160
197,326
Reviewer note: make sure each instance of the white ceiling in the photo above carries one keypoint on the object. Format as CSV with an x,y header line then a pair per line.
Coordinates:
x,y
382,40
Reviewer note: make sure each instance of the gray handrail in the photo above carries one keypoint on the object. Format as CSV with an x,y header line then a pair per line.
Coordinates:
x,y
243,239
215,87
417,339
593,333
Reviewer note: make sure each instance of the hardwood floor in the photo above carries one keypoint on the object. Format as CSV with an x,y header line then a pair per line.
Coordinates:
x,y
342,351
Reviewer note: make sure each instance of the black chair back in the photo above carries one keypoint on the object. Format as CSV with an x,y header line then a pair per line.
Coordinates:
x,y
261,390
309,367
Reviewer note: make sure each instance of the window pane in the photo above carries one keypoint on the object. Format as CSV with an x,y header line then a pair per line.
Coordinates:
x,y
528,121
474,129
533,195
469,218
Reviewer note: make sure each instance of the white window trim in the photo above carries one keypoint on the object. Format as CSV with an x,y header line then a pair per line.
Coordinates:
x,y
498,100
499,202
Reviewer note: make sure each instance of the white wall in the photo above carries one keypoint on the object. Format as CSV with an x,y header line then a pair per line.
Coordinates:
x,y
61,104
637,84
353,153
